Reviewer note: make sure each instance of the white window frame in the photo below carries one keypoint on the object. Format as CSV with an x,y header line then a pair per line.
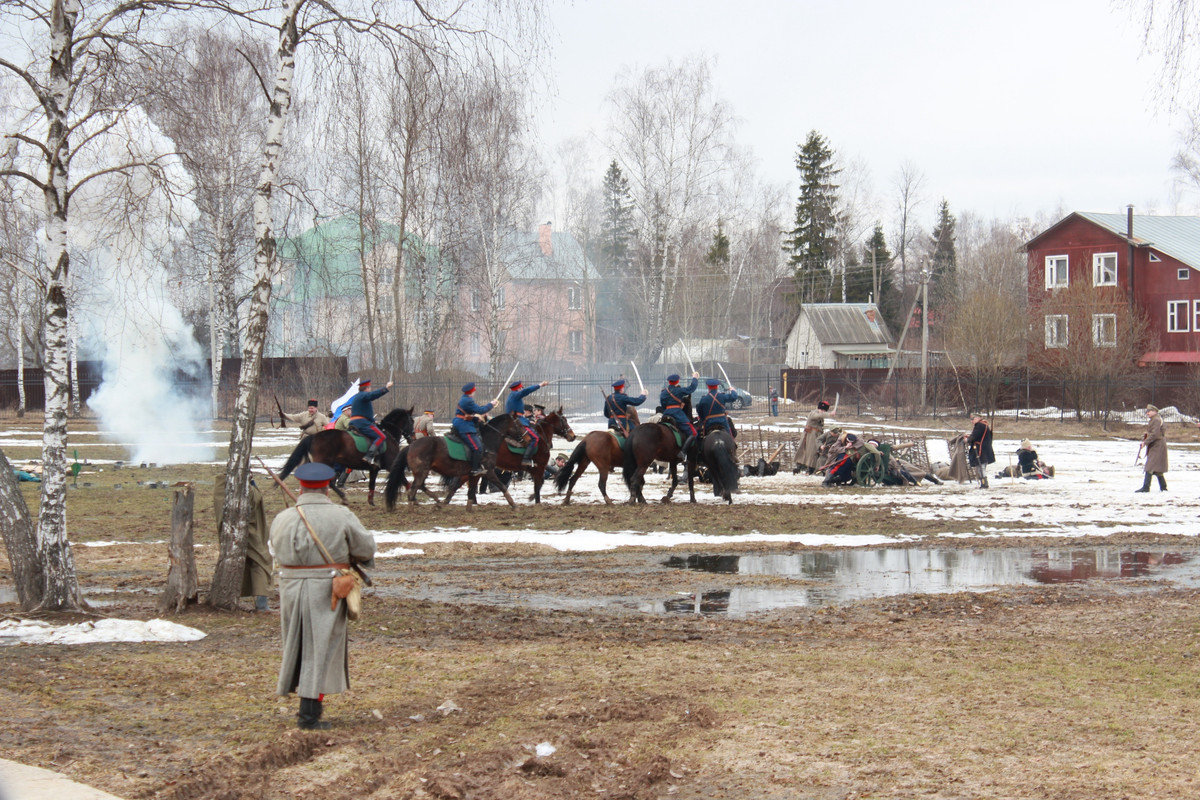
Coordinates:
x,y
476,300
1154,259
575,341
1101,275
574,298
475,344
1183,274
1052,326
500,297
1196,315
1052,263
1178,316
1101,322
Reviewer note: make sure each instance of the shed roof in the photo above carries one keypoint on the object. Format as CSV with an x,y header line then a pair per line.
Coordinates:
x,y
1177,237
846,323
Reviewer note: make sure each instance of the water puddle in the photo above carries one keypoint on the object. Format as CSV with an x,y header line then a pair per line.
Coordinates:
x,y
834,577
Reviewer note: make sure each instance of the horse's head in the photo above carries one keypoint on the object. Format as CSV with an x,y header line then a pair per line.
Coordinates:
x,y
558,425
399,422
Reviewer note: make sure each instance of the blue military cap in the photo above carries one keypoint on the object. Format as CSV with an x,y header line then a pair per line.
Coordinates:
x,y
618,383
672,378
314,475
468,388
363,382
712,383
514,385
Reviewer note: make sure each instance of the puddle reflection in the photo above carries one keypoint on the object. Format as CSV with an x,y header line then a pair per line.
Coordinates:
x,y
833,577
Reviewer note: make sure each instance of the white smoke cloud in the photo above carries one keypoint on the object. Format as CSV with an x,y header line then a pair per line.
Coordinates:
x,y
153,395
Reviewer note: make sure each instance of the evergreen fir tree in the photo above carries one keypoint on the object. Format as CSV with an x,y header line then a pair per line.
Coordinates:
x,y
813,241
718,253
943,278
885,293
616,224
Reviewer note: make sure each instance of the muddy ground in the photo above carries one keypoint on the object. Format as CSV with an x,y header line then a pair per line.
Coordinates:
x,y
1078,691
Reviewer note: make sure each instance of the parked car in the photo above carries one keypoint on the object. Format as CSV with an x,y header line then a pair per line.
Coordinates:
x,y
744,398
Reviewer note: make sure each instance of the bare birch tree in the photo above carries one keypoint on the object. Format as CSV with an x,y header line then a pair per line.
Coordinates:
x,y
909,183
321,24
670,136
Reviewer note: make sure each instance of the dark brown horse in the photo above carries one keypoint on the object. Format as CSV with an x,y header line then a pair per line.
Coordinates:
x,y
549,425
652,442
599,448
339,450
718,449
429,454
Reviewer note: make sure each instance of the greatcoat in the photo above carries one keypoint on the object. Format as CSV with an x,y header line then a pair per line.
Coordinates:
x,y
809,445
256,576
315,643
1156,446
310,421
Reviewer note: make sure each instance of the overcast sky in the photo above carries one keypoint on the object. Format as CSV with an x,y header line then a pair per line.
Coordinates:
x,y
1009,108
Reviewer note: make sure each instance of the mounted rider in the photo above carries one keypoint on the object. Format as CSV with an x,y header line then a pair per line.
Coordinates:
x,y
616,407
515,404
672,399
362,418
711,408
464,424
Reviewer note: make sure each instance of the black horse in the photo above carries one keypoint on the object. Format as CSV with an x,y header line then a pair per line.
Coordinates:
x,y
717,450
339,449
429,453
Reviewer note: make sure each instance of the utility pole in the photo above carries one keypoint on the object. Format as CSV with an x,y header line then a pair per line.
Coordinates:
x,y
924,333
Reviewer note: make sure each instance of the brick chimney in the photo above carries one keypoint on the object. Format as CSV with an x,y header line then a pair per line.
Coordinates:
x,y
545,240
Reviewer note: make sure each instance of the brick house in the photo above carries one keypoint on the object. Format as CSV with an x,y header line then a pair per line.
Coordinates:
x,y
1149,262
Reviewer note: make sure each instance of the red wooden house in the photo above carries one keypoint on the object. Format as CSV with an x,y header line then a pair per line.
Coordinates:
x,y
1150,262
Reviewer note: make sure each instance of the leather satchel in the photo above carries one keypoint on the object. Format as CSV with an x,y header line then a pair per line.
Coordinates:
x,y
346,585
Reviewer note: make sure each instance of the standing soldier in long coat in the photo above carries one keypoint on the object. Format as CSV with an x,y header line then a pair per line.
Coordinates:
x,y
1155,442
315,645
979,447
808,458
256,575
310,421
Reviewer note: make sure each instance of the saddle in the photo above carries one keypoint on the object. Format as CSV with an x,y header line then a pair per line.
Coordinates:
x,y
620,439
360,441
679,437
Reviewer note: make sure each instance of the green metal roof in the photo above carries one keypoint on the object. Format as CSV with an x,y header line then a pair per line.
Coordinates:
x,y
1177,237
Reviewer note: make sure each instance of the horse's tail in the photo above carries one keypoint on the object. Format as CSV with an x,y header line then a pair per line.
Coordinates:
x,y
629,466
564,475
723,466
298,455
396,479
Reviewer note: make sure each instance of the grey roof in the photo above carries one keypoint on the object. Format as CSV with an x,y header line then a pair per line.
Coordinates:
x,y
1177,237
846,323
525,260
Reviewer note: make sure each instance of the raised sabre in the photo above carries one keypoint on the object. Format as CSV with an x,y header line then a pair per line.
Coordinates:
x,y
641,385
506,382
728,382
686,353
837,399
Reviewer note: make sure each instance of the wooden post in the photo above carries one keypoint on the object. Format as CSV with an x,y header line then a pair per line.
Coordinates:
x,y
181,571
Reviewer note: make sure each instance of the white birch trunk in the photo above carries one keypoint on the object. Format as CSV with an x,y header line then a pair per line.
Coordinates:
x,y
20,347
73,348
227,577
54,550
19,540
214,341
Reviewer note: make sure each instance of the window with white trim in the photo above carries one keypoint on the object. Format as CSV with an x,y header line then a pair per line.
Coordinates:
x,y
1196,315
1177,316
1184,274
575,341
1056,272
474,344
574,297
1154,259
1104,330
1056,330
500,297
475,300
1104,269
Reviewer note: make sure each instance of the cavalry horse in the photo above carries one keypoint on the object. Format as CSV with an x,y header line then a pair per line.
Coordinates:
x,y
430,454
339,450
650,442
717,449
549,425
599,448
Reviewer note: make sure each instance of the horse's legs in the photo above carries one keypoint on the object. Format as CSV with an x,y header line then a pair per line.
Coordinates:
x,y
371,486
538,477
583,465
492,474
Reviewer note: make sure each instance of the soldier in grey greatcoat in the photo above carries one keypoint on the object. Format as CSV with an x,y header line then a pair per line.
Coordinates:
x,y
256,575
315,644
807,459
1155,442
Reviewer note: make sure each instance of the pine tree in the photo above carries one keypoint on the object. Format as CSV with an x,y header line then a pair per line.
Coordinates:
x,y
813,242
616,224
877,263
943,278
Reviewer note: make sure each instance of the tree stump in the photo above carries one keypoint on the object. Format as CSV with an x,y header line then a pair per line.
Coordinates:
x,y
182,585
